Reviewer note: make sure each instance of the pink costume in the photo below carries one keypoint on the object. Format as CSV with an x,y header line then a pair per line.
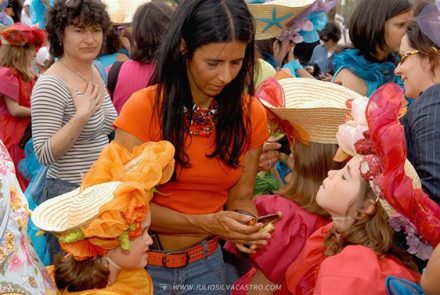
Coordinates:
x,y
287,241
12,128
355,270
132,77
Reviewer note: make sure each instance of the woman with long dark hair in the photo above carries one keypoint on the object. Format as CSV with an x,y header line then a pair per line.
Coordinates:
x,y
197,101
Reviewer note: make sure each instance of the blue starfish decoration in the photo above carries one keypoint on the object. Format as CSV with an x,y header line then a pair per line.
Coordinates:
x,y
274,21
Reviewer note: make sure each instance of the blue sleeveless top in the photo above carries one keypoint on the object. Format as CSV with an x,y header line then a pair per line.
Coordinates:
x,y
375,74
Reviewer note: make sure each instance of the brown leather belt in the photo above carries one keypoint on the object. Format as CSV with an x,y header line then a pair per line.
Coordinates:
x,y
181,258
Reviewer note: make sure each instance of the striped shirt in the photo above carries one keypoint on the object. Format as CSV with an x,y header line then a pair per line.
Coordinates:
x,y
52,107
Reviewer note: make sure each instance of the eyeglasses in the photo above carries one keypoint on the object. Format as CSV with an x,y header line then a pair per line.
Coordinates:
x,y
406,54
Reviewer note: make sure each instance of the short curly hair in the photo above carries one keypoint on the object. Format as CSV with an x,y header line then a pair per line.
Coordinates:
x,y
73,12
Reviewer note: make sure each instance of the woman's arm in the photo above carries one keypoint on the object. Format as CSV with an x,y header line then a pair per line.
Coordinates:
x,y
241,194
430,278
15,109
351,81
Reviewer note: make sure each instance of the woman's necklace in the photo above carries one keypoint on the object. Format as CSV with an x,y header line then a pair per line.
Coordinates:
x,y
201,121
76,74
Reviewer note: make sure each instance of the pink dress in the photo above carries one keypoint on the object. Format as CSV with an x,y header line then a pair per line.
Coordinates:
x,y
286,242
132,77
12,128
355,270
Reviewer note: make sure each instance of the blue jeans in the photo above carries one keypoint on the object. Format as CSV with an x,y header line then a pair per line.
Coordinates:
x,y
205,276
55,187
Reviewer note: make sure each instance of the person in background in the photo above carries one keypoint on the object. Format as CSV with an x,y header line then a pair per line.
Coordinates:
x,y
276,43
371,62
14,9
115,48
22,271
72,113
330,36
198,101
419,69
42,59
17,50
150,22
26,13
38,10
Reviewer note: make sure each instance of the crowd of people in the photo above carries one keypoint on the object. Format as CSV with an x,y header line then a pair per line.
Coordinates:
x,y
219,147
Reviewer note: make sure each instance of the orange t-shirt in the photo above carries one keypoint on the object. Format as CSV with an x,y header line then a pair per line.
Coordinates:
x,y
202,188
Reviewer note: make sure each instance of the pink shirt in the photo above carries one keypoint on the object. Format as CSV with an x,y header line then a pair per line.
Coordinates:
x,y
133,76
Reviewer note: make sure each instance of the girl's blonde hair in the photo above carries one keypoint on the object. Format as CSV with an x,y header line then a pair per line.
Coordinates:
x,y
19,59
311,165
371,230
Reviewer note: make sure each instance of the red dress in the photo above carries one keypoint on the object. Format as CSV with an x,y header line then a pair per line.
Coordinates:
x,y
12,128
355,270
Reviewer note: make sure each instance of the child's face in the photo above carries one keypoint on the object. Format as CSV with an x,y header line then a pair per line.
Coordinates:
x,y
340,189
137,256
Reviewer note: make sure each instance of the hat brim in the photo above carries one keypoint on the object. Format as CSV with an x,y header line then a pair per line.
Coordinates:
x,y
317,106
74,208
272,17
122,11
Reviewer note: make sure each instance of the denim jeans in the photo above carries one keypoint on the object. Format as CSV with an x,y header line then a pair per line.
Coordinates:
x,y
55,187
205,276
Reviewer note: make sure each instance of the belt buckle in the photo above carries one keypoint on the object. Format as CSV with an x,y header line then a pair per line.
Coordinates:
x,y
164,259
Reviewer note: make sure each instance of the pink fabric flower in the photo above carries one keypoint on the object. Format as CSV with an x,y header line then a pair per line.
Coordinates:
x,y
15,263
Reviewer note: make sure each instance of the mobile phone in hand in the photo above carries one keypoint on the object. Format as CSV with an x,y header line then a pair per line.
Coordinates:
x,y
273,217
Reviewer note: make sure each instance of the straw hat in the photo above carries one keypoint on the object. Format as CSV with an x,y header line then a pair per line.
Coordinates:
x,y
74,208
122,11
317,106
273,16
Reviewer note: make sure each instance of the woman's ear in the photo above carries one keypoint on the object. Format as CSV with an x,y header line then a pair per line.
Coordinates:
x,y
182,47
370,206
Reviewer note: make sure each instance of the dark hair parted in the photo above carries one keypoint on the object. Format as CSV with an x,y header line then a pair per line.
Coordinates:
x,y
198,23
331,31
367,24
311,165
79,275
371,230
81,13
149,25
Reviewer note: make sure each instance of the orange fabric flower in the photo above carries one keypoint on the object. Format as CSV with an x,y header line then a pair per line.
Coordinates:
x,y
140,171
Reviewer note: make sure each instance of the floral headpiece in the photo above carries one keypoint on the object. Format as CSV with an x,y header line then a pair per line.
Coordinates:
x,y
375,133
20,34
108,209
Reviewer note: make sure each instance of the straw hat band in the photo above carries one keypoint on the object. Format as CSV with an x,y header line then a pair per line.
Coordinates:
x,y
321,124
73,208
272,17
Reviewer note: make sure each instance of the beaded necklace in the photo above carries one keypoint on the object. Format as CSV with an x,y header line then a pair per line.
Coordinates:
x,y
202,121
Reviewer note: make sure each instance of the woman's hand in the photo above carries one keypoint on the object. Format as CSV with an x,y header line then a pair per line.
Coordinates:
x,y
237,228
269,156
89,102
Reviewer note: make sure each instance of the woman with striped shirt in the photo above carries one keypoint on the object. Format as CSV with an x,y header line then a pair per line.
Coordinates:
x,y
72,113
